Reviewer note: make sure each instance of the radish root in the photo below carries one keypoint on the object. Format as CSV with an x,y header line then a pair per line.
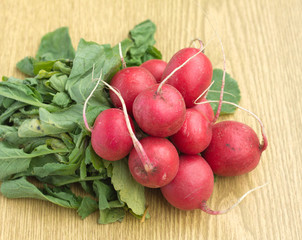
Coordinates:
x,y
264,144
200,43
121,55
205,208
204,93
86,101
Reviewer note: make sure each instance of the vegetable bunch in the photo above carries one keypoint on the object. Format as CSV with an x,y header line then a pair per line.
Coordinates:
x,y
45,148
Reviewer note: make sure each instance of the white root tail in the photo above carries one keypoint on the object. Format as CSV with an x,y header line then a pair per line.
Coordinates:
x,y
203,94
86,101
121,55
205,208
200,43
264,141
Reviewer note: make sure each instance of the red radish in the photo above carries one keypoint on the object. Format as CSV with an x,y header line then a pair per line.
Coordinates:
x,y
157,165
193,78
234,149
193,186
205,108
156,67
164,162
159,113
110,138
195,134
130,82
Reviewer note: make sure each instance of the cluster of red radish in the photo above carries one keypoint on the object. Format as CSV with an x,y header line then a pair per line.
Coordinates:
x,y
161,98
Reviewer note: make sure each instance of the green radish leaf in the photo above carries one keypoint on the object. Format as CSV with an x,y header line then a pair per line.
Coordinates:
x,y
51,123
110,211
87,207
130,192
231,92
21,188
11,110
26,65
142,36
25,94
58,82
45,66
7,152
56,45
13,166
111,215
61,99
80,82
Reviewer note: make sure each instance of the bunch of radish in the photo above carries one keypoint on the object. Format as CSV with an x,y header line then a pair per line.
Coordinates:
x,y
182,147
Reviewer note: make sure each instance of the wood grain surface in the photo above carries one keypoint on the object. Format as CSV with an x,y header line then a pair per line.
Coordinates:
x,y
262,42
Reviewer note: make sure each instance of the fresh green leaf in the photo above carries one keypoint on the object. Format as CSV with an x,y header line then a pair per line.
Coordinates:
x,y
108,212
42,74
13,166
61,99
50,169
142,36
151,53
87,207
12,109
92,157
231,92
7,102
26,66
111,215
58,180
63,193
104,193
58,82
56,45
62,67
7,152
51,123
83,169
55,143
80,84
25,94
21,188
130,192
67,140
45,66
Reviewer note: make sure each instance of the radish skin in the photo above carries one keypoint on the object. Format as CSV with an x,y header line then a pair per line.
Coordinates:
x,y
204,107
130,82
163,158
194,135
159,114
193,78
234,149
110,138
192,185
156,67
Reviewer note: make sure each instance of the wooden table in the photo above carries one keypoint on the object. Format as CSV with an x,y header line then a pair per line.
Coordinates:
x,y
262,44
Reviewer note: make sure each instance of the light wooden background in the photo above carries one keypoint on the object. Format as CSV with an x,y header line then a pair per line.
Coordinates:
x,y
262,41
